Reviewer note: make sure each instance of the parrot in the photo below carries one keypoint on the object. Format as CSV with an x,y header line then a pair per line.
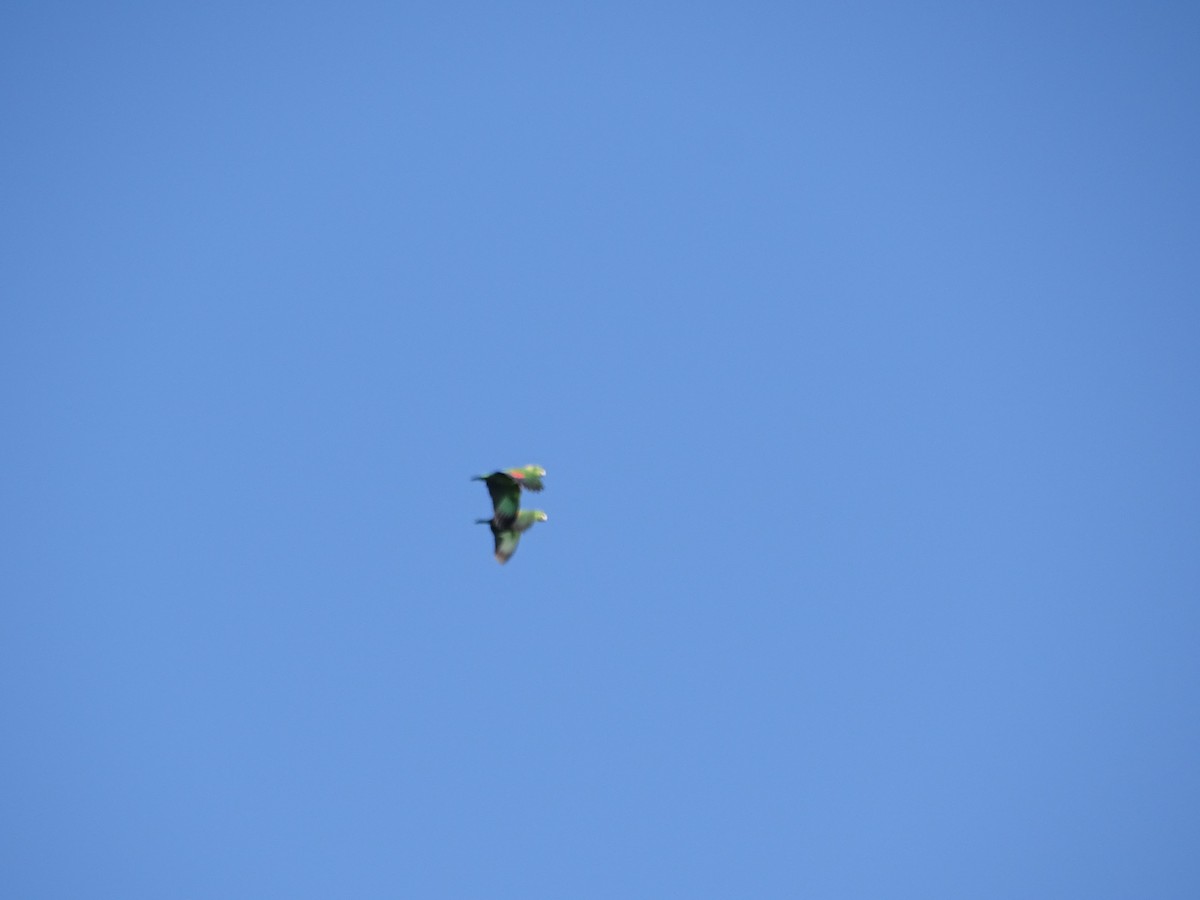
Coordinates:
x,y
507,538
508,519
528,477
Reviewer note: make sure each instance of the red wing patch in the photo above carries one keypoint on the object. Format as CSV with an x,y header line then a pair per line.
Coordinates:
x,y
520,476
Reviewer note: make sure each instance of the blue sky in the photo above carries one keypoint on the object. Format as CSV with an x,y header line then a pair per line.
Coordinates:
x,y
859,341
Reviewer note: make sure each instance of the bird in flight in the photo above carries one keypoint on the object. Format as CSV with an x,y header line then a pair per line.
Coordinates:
x,y
508,520
529,477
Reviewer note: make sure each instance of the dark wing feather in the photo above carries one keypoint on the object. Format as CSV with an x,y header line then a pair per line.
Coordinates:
x,y
506,496
506,543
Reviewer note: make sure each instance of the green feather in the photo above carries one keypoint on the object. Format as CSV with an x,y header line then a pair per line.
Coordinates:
x,y
506,543
505,494
508,519
508,538
530,477
527,518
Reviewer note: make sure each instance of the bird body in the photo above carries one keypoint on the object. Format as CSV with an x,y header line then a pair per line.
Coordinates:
x,y
529,477
506,539
527,518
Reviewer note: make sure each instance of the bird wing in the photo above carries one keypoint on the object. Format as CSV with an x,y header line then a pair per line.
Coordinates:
x,y
506,544
506,495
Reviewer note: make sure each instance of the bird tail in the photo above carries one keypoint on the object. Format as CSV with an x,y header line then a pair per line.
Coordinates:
x,y
483,521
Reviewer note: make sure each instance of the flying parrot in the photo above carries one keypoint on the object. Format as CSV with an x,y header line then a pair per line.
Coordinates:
x,y
508,519
508,538
529,477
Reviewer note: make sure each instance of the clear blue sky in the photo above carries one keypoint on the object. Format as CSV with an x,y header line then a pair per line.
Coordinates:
x,y
861,342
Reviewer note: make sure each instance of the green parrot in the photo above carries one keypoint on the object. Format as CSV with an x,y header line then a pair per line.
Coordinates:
x,y
508,519
508,538
528,477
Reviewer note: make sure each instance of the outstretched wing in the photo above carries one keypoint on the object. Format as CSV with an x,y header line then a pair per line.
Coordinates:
x,y
505,493
506,544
